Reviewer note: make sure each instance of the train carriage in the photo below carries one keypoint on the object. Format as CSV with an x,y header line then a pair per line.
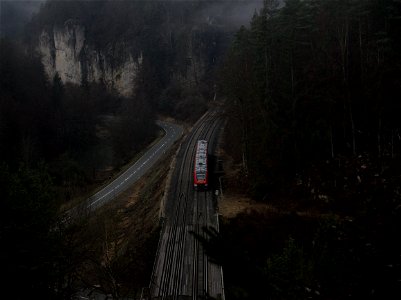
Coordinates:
x,y
201,168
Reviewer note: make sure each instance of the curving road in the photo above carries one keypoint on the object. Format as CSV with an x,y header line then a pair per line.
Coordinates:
x,y
133,173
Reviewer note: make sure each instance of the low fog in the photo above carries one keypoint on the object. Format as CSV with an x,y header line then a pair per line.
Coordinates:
x,y
15,14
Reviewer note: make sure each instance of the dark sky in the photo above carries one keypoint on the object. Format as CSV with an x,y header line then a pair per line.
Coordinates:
x,y
239,12
14,14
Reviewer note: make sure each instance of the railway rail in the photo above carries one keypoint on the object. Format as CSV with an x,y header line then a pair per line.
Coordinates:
x,y
182,270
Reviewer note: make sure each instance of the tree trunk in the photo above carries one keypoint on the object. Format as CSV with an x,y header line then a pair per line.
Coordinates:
x,y
379,148
392,143
352,126
331,142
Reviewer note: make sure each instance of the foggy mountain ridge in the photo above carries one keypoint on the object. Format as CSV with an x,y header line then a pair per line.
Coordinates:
x,y
106,41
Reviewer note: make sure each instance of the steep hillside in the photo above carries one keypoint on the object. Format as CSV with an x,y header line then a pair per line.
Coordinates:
x,y
313,95
133,45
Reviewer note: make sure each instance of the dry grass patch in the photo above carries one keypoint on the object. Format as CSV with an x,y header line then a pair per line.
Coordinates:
x,y
121,239
233,204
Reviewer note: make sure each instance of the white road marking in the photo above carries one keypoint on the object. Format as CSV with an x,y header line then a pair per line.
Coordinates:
x,y
136,167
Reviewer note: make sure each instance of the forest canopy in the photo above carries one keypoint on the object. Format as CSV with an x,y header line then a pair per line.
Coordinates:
x,y
315,80
313,100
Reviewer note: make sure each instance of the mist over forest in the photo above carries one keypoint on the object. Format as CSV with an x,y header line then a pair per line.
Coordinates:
x,y
14,15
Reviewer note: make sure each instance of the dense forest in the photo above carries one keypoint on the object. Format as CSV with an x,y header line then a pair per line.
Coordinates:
x,y
49,142
59,123
313,97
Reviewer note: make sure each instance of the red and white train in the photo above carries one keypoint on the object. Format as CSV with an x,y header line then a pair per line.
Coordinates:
x,y
200,168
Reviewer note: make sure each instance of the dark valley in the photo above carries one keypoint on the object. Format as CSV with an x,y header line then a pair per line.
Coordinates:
x,y
299,105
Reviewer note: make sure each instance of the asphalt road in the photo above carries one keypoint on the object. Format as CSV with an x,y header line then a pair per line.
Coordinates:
x,y
133,173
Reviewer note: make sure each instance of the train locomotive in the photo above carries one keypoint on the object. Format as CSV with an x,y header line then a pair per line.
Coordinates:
x,y
200,167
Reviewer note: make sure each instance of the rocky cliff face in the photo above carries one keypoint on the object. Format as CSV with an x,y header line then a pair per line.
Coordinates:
x,y
65,51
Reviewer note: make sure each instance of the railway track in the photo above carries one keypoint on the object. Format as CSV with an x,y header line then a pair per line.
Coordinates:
x,y
182,270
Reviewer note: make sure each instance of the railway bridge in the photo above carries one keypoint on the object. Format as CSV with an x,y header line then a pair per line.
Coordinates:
x,y
182,270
